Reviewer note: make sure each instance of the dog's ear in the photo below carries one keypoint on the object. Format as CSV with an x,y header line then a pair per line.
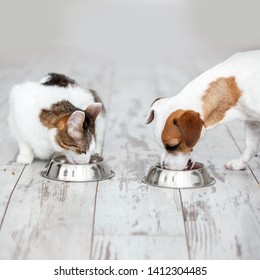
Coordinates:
x,y
190,125
153,107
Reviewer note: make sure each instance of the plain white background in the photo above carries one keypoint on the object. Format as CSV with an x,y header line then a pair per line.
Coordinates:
x,y
129,28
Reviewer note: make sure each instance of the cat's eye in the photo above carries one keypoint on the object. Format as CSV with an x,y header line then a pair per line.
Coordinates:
x,y
173,148
72,147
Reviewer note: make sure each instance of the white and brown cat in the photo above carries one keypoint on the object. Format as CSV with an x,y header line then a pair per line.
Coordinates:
x,y
55,115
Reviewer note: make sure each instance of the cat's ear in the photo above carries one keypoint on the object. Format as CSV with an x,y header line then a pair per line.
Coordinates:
x,y
94,109
75,124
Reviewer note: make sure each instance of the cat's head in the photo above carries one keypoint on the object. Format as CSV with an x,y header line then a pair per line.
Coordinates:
x,y
74,133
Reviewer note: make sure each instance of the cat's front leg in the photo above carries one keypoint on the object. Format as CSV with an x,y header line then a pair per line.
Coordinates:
x,y
26,155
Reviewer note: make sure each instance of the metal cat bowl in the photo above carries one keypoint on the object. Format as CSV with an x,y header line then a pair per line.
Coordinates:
x,y
198,177
60,169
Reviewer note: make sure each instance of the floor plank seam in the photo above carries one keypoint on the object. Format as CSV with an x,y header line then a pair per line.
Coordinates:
x,y
93,225
111,86
10,197
137,235
185,229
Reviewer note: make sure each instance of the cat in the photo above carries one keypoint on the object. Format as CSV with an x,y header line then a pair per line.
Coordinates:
x,y
53,115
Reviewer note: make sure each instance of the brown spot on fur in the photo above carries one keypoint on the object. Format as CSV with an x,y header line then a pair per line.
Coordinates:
x,y
57,117
171,134
221,95
182,128
51,117
62,122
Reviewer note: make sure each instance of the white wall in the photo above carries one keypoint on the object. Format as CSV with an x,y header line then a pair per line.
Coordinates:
x,y
125,27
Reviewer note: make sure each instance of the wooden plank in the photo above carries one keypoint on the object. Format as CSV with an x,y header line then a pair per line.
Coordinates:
x,y
114,247
13,69
134,209
9,175
127,210
47,219
222,221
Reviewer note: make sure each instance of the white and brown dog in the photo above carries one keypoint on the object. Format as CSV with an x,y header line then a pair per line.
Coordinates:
x,y
229,91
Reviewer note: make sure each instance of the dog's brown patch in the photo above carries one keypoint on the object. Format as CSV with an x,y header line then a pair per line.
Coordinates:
x,y
182,128
221,95
171,135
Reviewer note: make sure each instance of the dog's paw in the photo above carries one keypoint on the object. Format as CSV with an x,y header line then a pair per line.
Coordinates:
x,y
25,158
236,164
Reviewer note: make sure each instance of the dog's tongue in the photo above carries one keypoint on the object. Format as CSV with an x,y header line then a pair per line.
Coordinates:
x,y
189,165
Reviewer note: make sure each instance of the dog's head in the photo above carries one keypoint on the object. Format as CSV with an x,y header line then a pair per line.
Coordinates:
x,y
177,131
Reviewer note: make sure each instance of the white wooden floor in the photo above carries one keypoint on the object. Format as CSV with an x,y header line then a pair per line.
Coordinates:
x,y
122,218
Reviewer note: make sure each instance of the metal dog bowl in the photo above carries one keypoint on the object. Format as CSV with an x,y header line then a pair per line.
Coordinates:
x,y
196,178
60,169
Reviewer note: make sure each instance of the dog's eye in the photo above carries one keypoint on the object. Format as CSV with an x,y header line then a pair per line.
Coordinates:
x,y
172,148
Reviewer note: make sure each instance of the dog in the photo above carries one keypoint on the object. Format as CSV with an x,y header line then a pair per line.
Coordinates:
x,y
229,91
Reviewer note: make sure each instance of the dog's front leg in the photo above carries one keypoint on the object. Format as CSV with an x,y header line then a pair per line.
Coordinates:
x,y
251,145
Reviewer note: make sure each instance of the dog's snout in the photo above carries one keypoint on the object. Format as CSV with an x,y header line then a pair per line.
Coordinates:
x,y
176,162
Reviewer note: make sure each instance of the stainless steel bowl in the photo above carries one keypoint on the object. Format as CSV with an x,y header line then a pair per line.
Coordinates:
x,y
196,178
60,169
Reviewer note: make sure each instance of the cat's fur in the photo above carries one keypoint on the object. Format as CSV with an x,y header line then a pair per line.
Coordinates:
x,y
55,115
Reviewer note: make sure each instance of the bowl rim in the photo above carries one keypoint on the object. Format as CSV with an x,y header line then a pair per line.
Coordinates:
x,y
54,163
100,161
158,167
212,182
110,176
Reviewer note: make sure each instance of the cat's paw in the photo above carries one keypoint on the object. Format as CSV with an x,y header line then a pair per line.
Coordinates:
x,y
236,164
25,158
